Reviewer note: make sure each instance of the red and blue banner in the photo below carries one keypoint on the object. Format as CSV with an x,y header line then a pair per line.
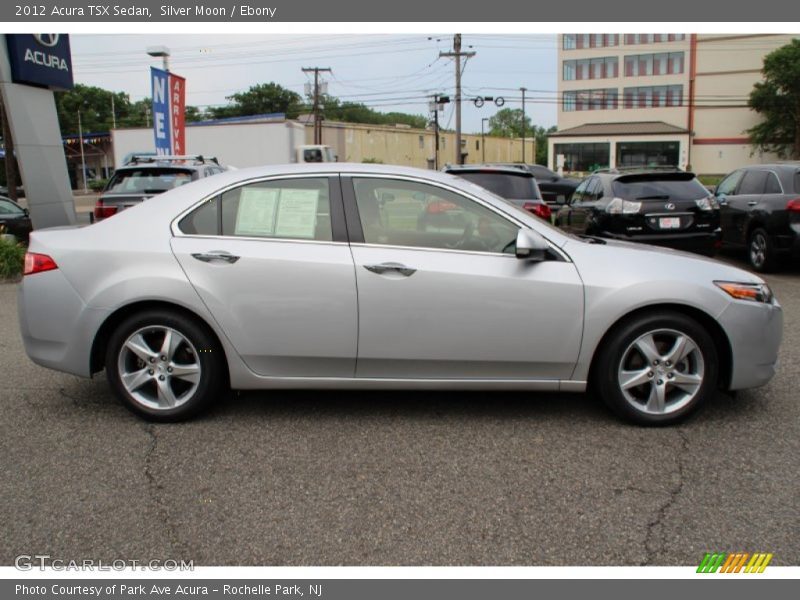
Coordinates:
x,y
169,107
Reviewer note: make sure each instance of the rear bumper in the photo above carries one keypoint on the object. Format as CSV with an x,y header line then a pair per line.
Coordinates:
x,y
704,243
755,332
57,327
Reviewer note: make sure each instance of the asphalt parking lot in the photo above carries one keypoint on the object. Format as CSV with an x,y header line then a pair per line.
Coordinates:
x,y
375,478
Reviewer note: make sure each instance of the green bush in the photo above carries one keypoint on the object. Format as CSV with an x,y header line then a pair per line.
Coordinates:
x,y
12,258
97,185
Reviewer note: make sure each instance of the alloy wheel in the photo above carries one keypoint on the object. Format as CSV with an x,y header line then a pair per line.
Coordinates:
x,y
661,371
758,250
159,367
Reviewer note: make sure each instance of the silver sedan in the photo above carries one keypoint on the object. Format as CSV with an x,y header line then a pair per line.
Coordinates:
x,y
369,276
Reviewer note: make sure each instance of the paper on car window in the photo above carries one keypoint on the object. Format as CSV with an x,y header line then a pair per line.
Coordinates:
x,y
256,214
297,214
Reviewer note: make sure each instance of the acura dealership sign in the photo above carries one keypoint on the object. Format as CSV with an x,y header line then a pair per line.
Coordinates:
x,y
41,59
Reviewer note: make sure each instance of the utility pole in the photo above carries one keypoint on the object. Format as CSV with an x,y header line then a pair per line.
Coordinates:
x,y
113,113
483,140
317,115
523,90
438,101
457,54
83,158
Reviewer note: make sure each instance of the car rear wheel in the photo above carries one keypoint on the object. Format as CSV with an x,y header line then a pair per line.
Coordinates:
x,y
164,366
657,368
761,251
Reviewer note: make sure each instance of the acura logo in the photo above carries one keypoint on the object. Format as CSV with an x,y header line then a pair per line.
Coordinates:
x,y
46,39
669,206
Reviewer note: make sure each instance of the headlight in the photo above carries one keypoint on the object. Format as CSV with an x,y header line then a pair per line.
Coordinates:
x,y
707,203
756,292
618,206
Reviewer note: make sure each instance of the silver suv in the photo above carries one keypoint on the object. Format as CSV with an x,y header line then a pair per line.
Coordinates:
x,y
145,176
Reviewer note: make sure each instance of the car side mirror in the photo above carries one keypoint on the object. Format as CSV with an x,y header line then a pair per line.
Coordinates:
x,y
531,246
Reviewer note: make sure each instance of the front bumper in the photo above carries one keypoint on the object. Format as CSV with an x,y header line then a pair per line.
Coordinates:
x,y
754,331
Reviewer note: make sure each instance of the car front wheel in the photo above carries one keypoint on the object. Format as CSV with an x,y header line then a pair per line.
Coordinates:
x,y
657,368
164,366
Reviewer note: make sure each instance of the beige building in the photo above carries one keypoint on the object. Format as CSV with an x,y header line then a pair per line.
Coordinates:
x,y
649,99
402,145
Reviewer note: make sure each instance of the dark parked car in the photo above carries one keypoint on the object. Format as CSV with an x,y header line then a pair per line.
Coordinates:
x,y
14,219
665,207
555,189
760,211
512,183
145,176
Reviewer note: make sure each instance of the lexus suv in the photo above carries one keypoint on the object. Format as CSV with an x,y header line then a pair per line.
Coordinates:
x,y
147,175
760,211
665,207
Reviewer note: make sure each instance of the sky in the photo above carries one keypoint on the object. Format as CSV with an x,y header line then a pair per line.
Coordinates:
x,y
386,72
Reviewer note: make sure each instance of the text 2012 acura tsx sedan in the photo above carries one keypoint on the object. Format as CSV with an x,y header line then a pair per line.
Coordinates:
x,y
369,276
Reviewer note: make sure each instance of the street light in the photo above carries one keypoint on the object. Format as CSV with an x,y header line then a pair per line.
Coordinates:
x,y
160,52
483,140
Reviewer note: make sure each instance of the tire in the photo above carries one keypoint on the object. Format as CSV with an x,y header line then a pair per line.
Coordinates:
x,y
159,382
761,251
653,395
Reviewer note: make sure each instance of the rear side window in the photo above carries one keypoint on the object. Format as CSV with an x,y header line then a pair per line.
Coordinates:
x,y
660,189
505,185
773,185
754,182
203,220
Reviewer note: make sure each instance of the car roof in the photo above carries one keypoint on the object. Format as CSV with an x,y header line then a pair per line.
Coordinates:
x,y
786,166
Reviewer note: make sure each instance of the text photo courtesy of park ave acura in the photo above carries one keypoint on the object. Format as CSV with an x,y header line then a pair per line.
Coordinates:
x,y
359,299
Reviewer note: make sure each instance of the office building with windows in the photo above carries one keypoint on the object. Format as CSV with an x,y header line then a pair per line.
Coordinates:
x,y
658,99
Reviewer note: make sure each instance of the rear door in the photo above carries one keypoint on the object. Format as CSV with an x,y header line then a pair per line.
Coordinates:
x,y
739,207
271,262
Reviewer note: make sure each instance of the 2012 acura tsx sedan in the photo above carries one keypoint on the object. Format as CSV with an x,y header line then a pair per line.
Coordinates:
x,y
371,276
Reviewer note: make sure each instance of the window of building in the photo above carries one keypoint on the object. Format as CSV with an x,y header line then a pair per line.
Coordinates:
x,y
653,38
595,68
664,63
421,141
653,96
584,156
569,41
647,154
597,99
569,70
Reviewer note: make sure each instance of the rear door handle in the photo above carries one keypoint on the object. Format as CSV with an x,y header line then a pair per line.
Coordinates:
x,y
215,255
752,203
391,267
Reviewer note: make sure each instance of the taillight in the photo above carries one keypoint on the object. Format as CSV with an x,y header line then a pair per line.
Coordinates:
x,y
38,263
102,212
540,210
793,205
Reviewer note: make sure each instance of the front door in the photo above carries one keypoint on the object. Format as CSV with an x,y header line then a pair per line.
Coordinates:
x,y
442,296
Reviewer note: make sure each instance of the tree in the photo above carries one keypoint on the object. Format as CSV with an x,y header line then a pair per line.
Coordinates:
x,y
507,122
541,143
260,99
777,100
94,104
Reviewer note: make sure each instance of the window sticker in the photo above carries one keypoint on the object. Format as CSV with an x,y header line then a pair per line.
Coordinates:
x,y
256,214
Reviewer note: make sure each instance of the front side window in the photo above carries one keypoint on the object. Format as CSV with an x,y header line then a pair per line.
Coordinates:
x,y
284,209
728,185
407,213
753,182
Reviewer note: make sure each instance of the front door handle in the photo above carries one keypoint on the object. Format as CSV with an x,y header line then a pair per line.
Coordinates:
x,y
752,203
391,267
215,255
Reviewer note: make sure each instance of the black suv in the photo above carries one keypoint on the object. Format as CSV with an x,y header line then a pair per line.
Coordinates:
x,y
760,211
145,176
513,184
665,207
555,188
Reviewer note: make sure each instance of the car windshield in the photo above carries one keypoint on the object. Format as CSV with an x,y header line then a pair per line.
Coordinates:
x,y
659,189
148,180
505,185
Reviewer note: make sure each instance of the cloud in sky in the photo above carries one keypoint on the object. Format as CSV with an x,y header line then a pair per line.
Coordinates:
x,y
385,72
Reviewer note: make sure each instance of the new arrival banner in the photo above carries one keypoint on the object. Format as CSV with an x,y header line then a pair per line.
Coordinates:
x,y
169,105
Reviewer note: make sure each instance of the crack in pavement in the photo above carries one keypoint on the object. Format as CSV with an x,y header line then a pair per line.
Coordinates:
x,y
676,490
156,489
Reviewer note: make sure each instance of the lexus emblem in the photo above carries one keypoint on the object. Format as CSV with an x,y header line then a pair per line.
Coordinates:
x,y
669,206
46,39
